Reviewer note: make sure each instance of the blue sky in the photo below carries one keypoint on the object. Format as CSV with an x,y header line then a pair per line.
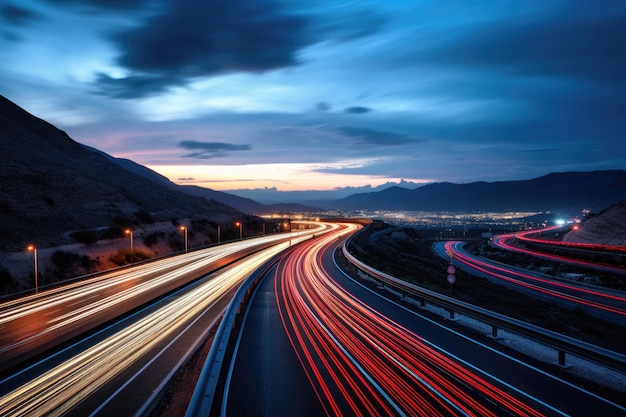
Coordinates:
x,y
301,95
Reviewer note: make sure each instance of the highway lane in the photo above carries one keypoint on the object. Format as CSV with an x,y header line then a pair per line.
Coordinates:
x,y
120,369
33,324
599,301
503,242
364,355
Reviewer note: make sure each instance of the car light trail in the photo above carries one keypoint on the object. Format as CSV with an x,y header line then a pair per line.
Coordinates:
x,y
60,389
30,324
500,241
363,363
519,278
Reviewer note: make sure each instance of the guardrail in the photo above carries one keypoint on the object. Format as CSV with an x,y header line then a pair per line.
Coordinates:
x,y
209,385
561,343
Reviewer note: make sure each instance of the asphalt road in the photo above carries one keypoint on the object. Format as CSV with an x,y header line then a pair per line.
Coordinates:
x,y
361,353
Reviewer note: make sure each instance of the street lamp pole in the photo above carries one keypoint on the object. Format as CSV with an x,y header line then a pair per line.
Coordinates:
x,y
240,233
34,249
184,229
130,233
218,234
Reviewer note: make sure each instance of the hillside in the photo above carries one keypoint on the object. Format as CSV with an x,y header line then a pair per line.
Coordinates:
x,y
607,227
51,185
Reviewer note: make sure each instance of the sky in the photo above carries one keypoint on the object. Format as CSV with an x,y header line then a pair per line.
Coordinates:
x,y
289,95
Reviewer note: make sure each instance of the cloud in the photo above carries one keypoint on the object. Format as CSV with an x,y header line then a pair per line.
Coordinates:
x,y
368,136
210,150
17,15
322,106
123,5
192,39
358,110
343,23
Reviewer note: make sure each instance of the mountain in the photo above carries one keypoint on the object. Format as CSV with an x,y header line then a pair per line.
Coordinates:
x,y
51,185
245,205
564,192
271,195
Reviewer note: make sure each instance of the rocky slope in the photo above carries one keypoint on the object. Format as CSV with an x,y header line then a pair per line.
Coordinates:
x,y
51,185
607,227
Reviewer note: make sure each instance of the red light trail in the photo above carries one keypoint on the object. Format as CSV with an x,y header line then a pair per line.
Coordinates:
x,y
577,293
362,363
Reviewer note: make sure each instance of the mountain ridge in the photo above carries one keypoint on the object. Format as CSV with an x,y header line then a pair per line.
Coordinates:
x,y
566,191
52,185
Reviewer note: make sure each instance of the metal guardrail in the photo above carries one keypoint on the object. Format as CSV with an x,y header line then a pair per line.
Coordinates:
x,y
208,387
561,343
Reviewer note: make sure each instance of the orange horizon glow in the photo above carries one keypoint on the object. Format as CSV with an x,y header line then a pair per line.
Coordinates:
x,y
284,177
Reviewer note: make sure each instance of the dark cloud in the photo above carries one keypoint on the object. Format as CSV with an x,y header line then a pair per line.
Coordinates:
x,y
18,16
358,110
105,4
210,150
136,86
368,136
322,106
193,39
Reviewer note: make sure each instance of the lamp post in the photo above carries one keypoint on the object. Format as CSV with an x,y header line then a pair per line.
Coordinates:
x,y
184,229
130,233
240,226
218,234
34,249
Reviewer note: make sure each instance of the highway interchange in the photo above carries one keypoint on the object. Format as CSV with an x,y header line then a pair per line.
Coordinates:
x,y
314,342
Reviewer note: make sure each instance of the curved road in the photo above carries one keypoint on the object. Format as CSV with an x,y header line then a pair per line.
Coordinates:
x,y
599,301
315,342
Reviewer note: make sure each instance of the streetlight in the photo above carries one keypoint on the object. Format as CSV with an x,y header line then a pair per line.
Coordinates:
x,y
218,234
130,233
34,249
240,234
184,229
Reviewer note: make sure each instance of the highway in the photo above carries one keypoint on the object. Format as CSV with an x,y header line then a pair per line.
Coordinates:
x,y
316,342
32,324
599,301
121,367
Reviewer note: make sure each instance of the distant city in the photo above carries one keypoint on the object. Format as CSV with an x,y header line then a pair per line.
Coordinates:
x,y
459,221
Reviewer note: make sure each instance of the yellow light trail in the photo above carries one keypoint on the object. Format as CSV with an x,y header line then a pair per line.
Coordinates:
x,y
63,387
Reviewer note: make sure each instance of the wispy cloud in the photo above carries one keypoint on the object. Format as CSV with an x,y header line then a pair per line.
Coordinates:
x,y
210,150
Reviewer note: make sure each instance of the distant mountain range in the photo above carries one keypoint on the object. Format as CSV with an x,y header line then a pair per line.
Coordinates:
x,y
563,192
243,204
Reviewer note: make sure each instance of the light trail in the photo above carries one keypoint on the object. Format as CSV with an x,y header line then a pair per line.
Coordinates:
x,y
361,362
32,324
14,309
577,294
501,241
525,236
58,390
